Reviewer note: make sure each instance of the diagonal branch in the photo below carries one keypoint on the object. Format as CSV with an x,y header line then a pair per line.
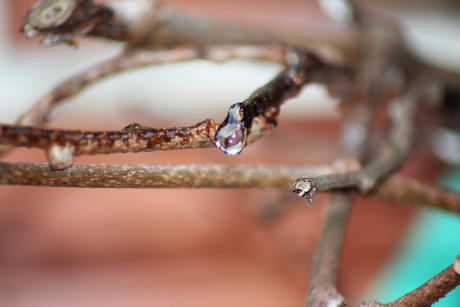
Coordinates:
x,y
304,68
399,188
430,292
135,58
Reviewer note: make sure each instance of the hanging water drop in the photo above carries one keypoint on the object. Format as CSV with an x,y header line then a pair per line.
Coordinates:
x,y
231,139
231,136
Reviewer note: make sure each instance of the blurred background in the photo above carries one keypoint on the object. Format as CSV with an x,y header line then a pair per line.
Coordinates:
x,y
73,247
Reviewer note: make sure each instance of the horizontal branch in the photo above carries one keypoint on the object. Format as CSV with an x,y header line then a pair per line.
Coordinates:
x,y
62,145
155,176
395,188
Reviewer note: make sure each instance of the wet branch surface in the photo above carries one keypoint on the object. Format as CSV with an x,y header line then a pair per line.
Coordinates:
x,y
375,73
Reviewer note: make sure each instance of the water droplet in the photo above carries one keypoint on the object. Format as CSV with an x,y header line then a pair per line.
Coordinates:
x,y
231,139
231,136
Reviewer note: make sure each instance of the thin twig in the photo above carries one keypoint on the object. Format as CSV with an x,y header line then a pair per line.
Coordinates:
x,y
250,120
62,145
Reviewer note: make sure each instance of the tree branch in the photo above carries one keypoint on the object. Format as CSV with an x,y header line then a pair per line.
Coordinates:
x,y
323,291
304,68
400,141
149,25
430,292
398,188
135,58
155,176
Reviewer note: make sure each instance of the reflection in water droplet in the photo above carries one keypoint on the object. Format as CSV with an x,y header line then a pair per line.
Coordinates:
x,y
231,138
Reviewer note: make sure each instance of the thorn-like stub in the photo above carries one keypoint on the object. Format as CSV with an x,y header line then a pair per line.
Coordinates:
x,y
60,157
304,187
457,264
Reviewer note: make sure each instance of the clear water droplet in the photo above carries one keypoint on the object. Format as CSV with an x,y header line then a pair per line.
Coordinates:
x,y
231,139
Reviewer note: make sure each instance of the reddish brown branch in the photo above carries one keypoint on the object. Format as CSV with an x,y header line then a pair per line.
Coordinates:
x,y
433,290
430,292
135,58
61,145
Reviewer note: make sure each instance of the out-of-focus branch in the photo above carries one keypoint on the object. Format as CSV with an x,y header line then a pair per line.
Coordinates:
x,y
354,142
398,188
151,25
401,138
132,58
323,291
430,292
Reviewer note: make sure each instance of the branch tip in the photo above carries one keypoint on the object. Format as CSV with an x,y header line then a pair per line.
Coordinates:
x,y
304,187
